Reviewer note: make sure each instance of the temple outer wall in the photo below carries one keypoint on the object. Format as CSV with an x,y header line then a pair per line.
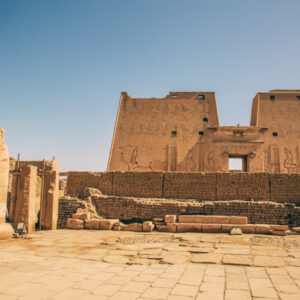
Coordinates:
x,y
281,188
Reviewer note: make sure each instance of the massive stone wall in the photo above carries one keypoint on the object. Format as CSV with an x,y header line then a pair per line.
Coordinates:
x,y
181,132
210,186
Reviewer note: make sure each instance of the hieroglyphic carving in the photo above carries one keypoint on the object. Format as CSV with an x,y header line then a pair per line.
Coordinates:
x,y
267,160
289,163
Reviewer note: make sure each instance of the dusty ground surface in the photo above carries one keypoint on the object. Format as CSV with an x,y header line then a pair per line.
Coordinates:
x,y
66,264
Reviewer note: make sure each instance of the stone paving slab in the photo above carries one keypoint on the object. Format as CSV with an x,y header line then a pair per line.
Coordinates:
x,y
37,268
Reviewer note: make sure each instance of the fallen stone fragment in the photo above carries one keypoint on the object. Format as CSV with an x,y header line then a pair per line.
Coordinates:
x,y
107,224
92,224
74,223
132,227
236,231
148,226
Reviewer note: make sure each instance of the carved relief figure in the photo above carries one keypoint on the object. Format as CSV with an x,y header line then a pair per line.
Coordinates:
x,y
267,160
289,163
211,162
189,162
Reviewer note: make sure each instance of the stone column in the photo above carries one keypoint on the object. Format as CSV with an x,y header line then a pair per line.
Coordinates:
x,y
25,210
5,229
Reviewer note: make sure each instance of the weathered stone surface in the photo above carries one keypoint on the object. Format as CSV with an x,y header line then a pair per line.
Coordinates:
x,y
132,227
115,259
241,260
75,223
207,258
170,218
81,216
148,226
238,220
279,232
296,229
186,219
279,227
236,231
171,227
262,228
186,227
220,219
107,224
93,224
268,261
211,228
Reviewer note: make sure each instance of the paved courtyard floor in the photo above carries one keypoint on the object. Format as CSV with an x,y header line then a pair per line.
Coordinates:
x,y
66,264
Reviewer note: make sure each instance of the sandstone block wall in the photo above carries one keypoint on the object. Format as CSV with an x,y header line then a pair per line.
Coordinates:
x,y
201,186
124,208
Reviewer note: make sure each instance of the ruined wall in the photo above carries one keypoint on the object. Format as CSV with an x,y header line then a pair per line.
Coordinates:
x,y
43,194
181,132
114,207
202,186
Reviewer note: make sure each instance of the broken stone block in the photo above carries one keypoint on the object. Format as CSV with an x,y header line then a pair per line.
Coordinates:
x,y
107,224
211,228
132,227
170,218
148,226
226,228
92,224
81,216
74,223
279,227
236,231
262,228
238,220
186,227
296,229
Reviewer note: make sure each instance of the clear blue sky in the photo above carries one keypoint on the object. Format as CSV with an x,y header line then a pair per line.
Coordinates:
x,y
63,64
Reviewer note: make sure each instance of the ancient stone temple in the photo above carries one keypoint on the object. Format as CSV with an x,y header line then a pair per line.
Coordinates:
x,y
181,132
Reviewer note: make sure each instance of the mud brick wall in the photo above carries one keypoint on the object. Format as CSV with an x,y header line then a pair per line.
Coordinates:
x,y
258,212
144,184
77,181
190,186
66,208
202,186
285,188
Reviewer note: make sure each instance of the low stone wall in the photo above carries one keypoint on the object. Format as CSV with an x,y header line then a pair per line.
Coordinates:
x,y
66,208
280,188
124,208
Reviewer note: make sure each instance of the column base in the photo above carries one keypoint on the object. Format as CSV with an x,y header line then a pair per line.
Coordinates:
x,y
6,231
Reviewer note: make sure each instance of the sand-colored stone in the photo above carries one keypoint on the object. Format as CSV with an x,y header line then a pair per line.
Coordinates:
x,y
189,227
75,223
107,224
170,218
93,224
211,228
279,227
148,226
238,220
81,216
262,228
